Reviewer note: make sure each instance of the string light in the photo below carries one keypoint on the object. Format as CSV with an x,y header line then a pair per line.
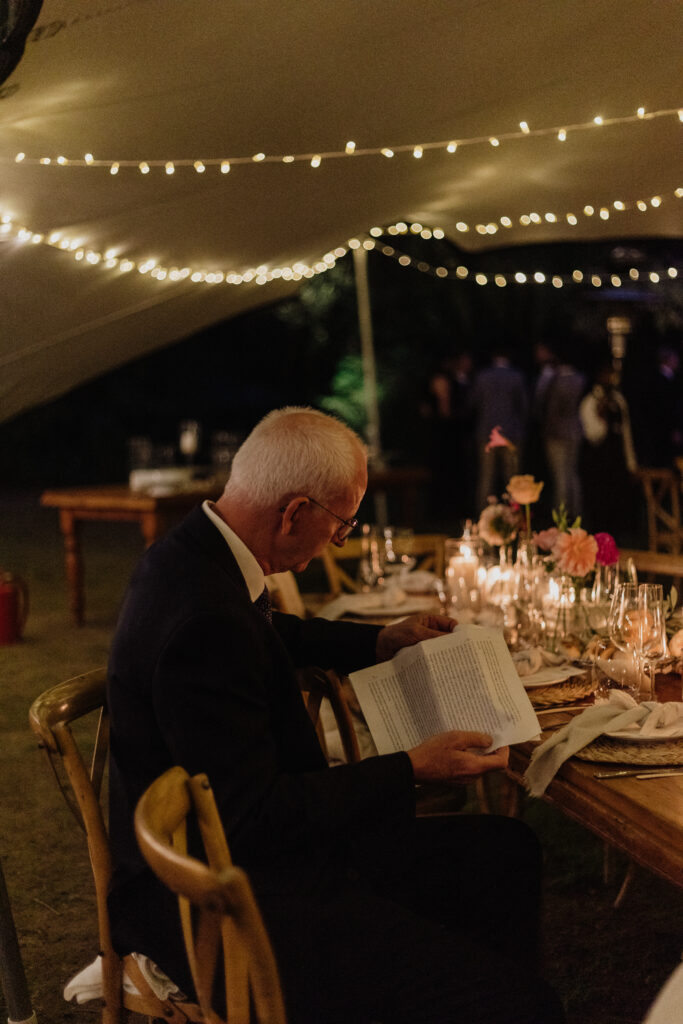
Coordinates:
x,y
351,150
298,271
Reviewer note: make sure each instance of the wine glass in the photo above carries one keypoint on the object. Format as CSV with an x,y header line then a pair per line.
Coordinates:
x,y
622,621
622,625
188,439
371,564
651,635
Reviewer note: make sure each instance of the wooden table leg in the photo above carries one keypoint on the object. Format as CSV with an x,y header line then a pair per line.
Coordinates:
x,y
70,527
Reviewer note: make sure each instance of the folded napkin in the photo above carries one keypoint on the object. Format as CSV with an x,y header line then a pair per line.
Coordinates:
x,y
664,720
532,659
87,984
619,712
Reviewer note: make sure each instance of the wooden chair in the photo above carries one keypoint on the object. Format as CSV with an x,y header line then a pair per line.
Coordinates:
x,y
318,685
228,922
668,569
661,488
51,716
285,594
428,548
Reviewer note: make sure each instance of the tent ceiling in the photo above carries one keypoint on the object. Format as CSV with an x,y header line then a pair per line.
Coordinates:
x,y
160,80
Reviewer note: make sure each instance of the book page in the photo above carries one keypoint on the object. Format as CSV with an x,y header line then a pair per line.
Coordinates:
x,y
464,680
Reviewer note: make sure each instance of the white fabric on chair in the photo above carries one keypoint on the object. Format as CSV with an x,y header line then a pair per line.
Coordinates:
x,y
87,984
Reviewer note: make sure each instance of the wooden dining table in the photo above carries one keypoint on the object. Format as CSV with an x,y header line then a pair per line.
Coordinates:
x,y
641,817
153,513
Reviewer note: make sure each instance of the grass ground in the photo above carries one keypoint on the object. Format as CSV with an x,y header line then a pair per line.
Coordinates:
x,y
607,964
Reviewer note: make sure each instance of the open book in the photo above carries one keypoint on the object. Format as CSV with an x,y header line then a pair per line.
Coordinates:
x,y
465,680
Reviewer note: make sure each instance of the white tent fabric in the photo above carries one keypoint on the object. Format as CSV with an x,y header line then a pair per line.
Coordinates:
x,y
185,81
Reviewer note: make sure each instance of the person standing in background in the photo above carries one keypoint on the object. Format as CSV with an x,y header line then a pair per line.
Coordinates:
x,y
449,419
608,459
558,419
499,399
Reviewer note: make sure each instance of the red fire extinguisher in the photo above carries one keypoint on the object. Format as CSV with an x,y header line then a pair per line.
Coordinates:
x,y
13,607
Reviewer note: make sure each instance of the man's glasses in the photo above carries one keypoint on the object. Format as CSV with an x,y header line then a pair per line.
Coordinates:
x,y
347,524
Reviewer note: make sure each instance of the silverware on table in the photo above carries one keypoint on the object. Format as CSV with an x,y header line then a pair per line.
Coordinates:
x,y
639,773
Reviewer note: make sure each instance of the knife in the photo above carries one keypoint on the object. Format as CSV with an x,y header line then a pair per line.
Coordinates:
x,y
639,773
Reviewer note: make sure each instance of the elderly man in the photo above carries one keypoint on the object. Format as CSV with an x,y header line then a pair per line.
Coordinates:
x,y
373,915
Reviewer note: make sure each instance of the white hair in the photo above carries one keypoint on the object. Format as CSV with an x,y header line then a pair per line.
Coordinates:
x,y
296,450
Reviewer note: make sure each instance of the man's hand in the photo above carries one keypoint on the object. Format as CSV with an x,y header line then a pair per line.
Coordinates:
x,y
449,756
410,631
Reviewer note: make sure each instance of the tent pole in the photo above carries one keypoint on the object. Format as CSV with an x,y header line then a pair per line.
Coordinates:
x,y
360,267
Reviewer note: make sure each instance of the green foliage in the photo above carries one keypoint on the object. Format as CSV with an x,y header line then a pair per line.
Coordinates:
x,y
561,519
346,399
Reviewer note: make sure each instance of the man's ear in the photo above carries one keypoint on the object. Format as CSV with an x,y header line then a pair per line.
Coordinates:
x,y
289,513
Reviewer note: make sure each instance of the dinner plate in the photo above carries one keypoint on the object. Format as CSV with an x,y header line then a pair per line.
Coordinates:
x,y
375,604
549,676
663,735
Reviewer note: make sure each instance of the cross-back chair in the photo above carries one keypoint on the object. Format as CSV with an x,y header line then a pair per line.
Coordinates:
x,y
52,715
339,563
661,487
318,685
227,925
285,594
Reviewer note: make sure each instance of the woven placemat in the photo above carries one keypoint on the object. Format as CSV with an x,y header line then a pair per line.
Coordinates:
x,y
608,748
566,692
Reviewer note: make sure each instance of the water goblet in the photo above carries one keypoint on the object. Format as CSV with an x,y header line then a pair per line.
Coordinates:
x,y
651,637
622,621
188,439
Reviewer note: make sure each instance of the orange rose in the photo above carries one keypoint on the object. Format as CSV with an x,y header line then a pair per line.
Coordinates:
x,y
524,489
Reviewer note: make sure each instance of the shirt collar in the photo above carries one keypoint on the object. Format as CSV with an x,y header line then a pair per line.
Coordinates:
x,y
248,566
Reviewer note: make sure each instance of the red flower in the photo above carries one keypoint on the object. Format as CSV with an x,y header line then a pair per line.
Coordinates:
x,y
608,552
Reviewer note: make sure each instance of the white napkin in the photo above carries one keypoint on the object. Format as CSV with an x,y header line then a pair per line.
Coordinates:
x,y
619,712
419,581
527,662
87,984
663,720
533,659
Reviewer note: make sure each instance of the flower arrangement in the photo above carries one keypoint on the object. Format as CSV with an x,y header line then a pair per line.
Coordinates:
x,y
572,549
500,522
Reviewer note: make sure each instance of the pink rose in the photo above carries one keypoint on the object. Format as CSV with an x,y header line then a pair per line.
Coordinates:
x,y
545,539
524,489
608,552
575,552
498,440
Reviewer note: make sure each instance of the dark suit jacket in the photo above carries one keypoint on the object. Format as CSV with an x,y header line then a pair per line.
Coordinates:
x,y
197,677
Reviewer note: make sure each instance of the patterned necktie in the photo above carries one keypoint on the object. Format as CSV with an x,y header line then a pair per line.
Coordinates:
x,y
263,605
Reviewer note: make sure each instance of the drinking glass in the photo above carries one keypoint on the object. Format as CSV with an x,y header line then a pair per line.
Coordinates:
x,y
600,597
399,557
651,635
622,621
188,439
371,564
613,670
